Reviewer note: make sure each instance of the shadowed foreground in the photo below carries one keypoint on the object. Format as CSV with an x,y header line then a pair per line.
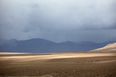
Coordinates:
x,y
59,65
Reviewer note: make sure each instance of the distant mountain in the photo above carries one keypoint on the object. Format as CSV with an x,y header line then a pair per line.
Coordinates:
x,y
38,45
108,48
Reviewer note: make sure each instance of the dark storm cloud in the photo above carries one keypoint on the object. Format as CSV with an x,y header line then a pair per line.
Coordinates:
x,y
58,20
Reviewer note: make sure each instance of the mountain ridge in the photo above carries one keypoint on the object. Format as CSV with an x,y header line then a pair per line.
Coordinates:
x,y
38,45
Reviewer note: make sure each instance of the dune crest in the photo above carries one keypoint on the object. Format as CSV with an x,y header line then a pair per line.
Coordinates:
x,y
107,48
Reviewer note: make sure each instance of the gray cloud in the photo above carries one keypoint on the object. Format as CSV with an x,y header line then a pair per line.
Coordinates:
x,y
58,20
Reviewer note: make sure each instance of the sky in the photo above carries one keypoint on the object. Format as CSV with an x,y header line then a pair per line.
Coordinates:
x,y
58,20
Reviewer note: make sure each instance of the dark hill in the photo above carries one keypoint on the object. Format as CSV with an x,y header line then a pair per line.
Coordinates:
x,y
45,46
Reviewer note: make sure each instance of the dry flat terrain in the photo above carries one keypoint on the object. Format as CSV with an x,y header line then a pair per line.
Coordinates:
x,y
75,64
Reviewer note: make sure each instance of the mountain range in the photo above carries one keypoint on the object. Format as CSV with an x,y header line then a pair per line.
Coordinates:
x,y
38,45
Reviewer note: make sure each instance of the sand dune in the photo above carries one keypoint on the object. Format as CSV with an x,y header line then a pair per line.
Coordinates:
x,y
107,48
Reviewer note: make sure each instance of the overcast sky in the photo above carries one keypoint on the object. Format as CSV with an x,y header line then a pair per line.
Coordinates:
x,y
58,20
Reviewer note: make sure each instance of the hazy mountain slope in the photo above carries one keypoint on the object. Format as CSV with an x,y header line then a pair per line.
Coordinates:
x,y
38,45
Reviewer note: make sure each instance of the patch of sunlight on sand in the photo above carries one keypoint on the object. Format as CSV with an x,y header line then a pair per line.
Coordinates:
x,y
54,56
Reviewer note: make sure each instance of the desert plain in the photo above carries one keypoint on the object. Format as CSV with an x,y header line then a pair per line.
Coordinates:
x,y
68,64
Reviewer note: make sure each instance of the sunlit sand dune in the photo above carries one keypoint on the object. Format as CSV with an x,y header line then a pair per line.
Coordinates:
x,y
108,48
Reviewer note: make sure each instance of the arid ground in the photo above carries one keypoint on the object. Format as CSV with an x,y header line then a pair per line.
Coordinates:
x,y
74,64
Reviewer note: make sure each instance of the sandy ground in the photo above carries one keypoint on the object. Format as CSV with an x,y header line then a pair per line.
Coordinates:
x,y
52,56
84,64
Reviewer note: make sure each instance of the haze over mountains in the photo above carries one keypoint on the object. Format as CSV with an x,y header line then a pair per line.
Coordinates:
x,y
38,45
